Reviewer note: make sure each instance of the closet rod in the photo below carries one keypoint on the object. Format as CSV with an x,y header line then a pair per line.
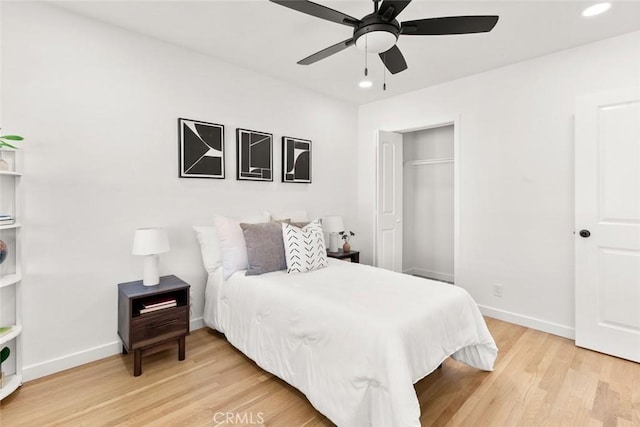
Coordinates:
x,y
427,161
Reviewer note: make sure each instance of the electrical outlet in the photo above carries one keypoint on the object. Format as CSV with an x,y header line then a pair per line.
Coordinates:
x,y
497,290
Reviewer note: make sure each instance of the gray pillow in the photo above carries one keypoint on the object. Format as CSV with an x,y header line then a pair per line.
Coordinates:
x,y
265,248
302,224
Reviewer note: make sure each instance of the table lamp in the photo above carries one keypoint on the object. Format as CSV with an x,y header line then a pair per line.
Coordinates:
x,y
150,242
333,224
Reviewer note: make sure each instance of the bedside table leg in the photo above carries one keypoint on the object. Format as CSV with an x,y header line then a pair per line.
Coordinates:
x,y
181,348
137,363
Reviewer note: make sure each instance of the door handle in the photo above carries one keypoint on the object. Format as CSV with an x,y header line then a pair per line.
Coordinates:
x,y
585,233
398,221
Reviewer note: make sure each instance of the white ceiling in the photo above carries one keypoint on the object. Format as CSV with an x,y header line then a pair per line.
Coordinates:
x,y
270,39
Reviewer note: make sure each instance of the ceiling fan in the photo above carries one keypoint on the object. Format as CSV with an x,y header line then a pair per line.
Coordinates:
x,y
378,32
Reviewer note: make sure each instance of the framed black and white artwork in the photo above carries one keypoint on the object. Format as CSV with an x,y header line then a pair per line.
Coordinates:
x,y
296,160
201,149
254,155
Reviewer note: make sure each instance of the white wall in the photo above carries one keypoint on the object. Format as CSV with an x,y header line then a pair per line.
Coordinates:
x,y
428,205
516,160
99,108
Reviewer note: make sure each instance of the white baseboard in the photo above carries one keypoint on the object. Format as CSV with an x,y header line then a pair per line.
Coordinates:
x,y
415,271
529,322
196,324
69,361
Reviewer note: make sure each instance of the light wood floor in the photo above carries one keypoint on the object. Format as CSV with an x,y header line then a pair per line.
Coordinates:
x,y
540,379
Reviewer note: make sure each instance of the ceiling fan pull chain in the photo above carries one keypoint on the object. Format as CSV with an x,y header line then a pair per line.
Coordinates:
x,y
366,70
384,74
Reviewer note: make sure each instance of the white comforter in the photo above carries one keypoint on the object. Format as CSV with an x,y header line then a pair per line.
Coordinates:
x,y
353,338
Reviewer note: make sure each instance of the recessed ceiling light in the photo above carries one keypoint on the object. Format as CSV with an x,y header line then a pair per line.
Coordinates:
x,y
365,84
596,9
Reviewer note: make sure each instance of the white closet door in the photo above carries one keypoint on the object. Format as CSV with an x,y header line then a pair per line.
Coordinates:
x,y
607,242
389,202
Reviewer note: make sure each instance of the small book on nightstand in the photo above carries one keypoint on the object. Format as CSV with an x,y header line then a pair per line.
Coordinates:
x,y
160,307
157,304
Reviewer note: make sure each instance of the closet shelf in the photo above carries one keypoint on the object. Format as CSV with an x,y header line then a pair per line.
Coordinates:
x,y
428,161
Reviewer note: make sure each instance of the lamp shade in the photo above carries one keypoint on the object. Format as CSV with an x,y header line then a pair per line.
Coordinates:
x,y
150,241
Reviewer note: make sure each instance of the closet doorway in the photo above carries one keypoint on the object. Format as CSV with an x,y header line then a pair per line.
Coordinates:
x,y
428,203
417,201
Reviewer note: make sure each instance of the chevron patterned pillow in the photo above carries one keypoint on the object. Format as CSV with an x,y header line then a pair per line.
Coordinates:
x,y
304,247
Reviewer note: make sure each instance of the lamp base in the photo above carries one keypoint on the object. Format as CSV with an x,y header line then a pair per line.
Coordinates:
x,y
151,276
333,242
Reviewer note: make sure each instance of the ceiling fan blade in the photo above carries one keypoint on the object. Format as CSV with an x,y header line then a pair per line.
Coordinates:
x,y
318,11
392,8
393,60
324,53
449,25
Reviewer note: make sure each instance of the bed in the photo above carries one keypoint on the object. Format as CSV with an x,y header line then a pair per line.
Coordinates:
x,y
353,338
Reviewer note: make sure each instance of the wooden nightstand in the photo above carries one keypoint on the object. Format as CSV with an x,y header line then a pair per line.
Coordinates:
x,y
152,331
353,256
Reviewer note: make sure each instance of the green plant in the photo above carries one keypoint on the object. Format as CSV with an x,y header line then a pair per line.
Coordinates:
x,y
5,138
346,235
4,354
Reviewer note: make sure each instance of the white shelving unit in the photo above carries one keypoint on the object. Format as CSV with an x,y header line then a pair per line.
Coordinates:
x,y
11,273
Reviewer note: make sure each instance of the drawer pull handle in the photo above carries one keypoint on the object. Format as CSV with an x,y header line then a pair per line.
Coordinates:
x,y
161,325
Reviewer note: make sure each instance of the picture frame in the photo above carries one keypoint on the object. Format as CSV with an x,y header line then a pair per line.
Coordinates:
x,y
201,149
296,160
254,155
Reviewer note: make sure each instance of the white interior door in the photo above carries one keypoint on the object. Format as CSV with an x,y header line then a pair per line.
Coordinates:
x,y
389,202
607,245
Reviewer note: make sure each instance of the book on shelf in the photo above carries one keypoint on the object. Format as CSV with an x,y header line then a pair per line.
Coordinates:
x,y
158,307
157,302
6,219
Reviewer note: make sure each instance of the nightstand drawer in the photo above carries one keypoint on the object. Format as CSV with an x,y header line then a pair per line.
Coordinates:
x,y
162,324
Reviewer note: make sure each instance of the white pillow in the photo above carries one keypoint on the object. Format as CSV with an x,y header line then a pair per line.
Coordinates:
x,y
232,245
294,216
209,247
304,248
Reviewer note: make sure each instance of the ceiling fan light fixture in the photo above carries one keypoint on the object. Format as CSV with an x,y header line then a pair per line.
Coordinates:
x,y
376,41
365,84
596,9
